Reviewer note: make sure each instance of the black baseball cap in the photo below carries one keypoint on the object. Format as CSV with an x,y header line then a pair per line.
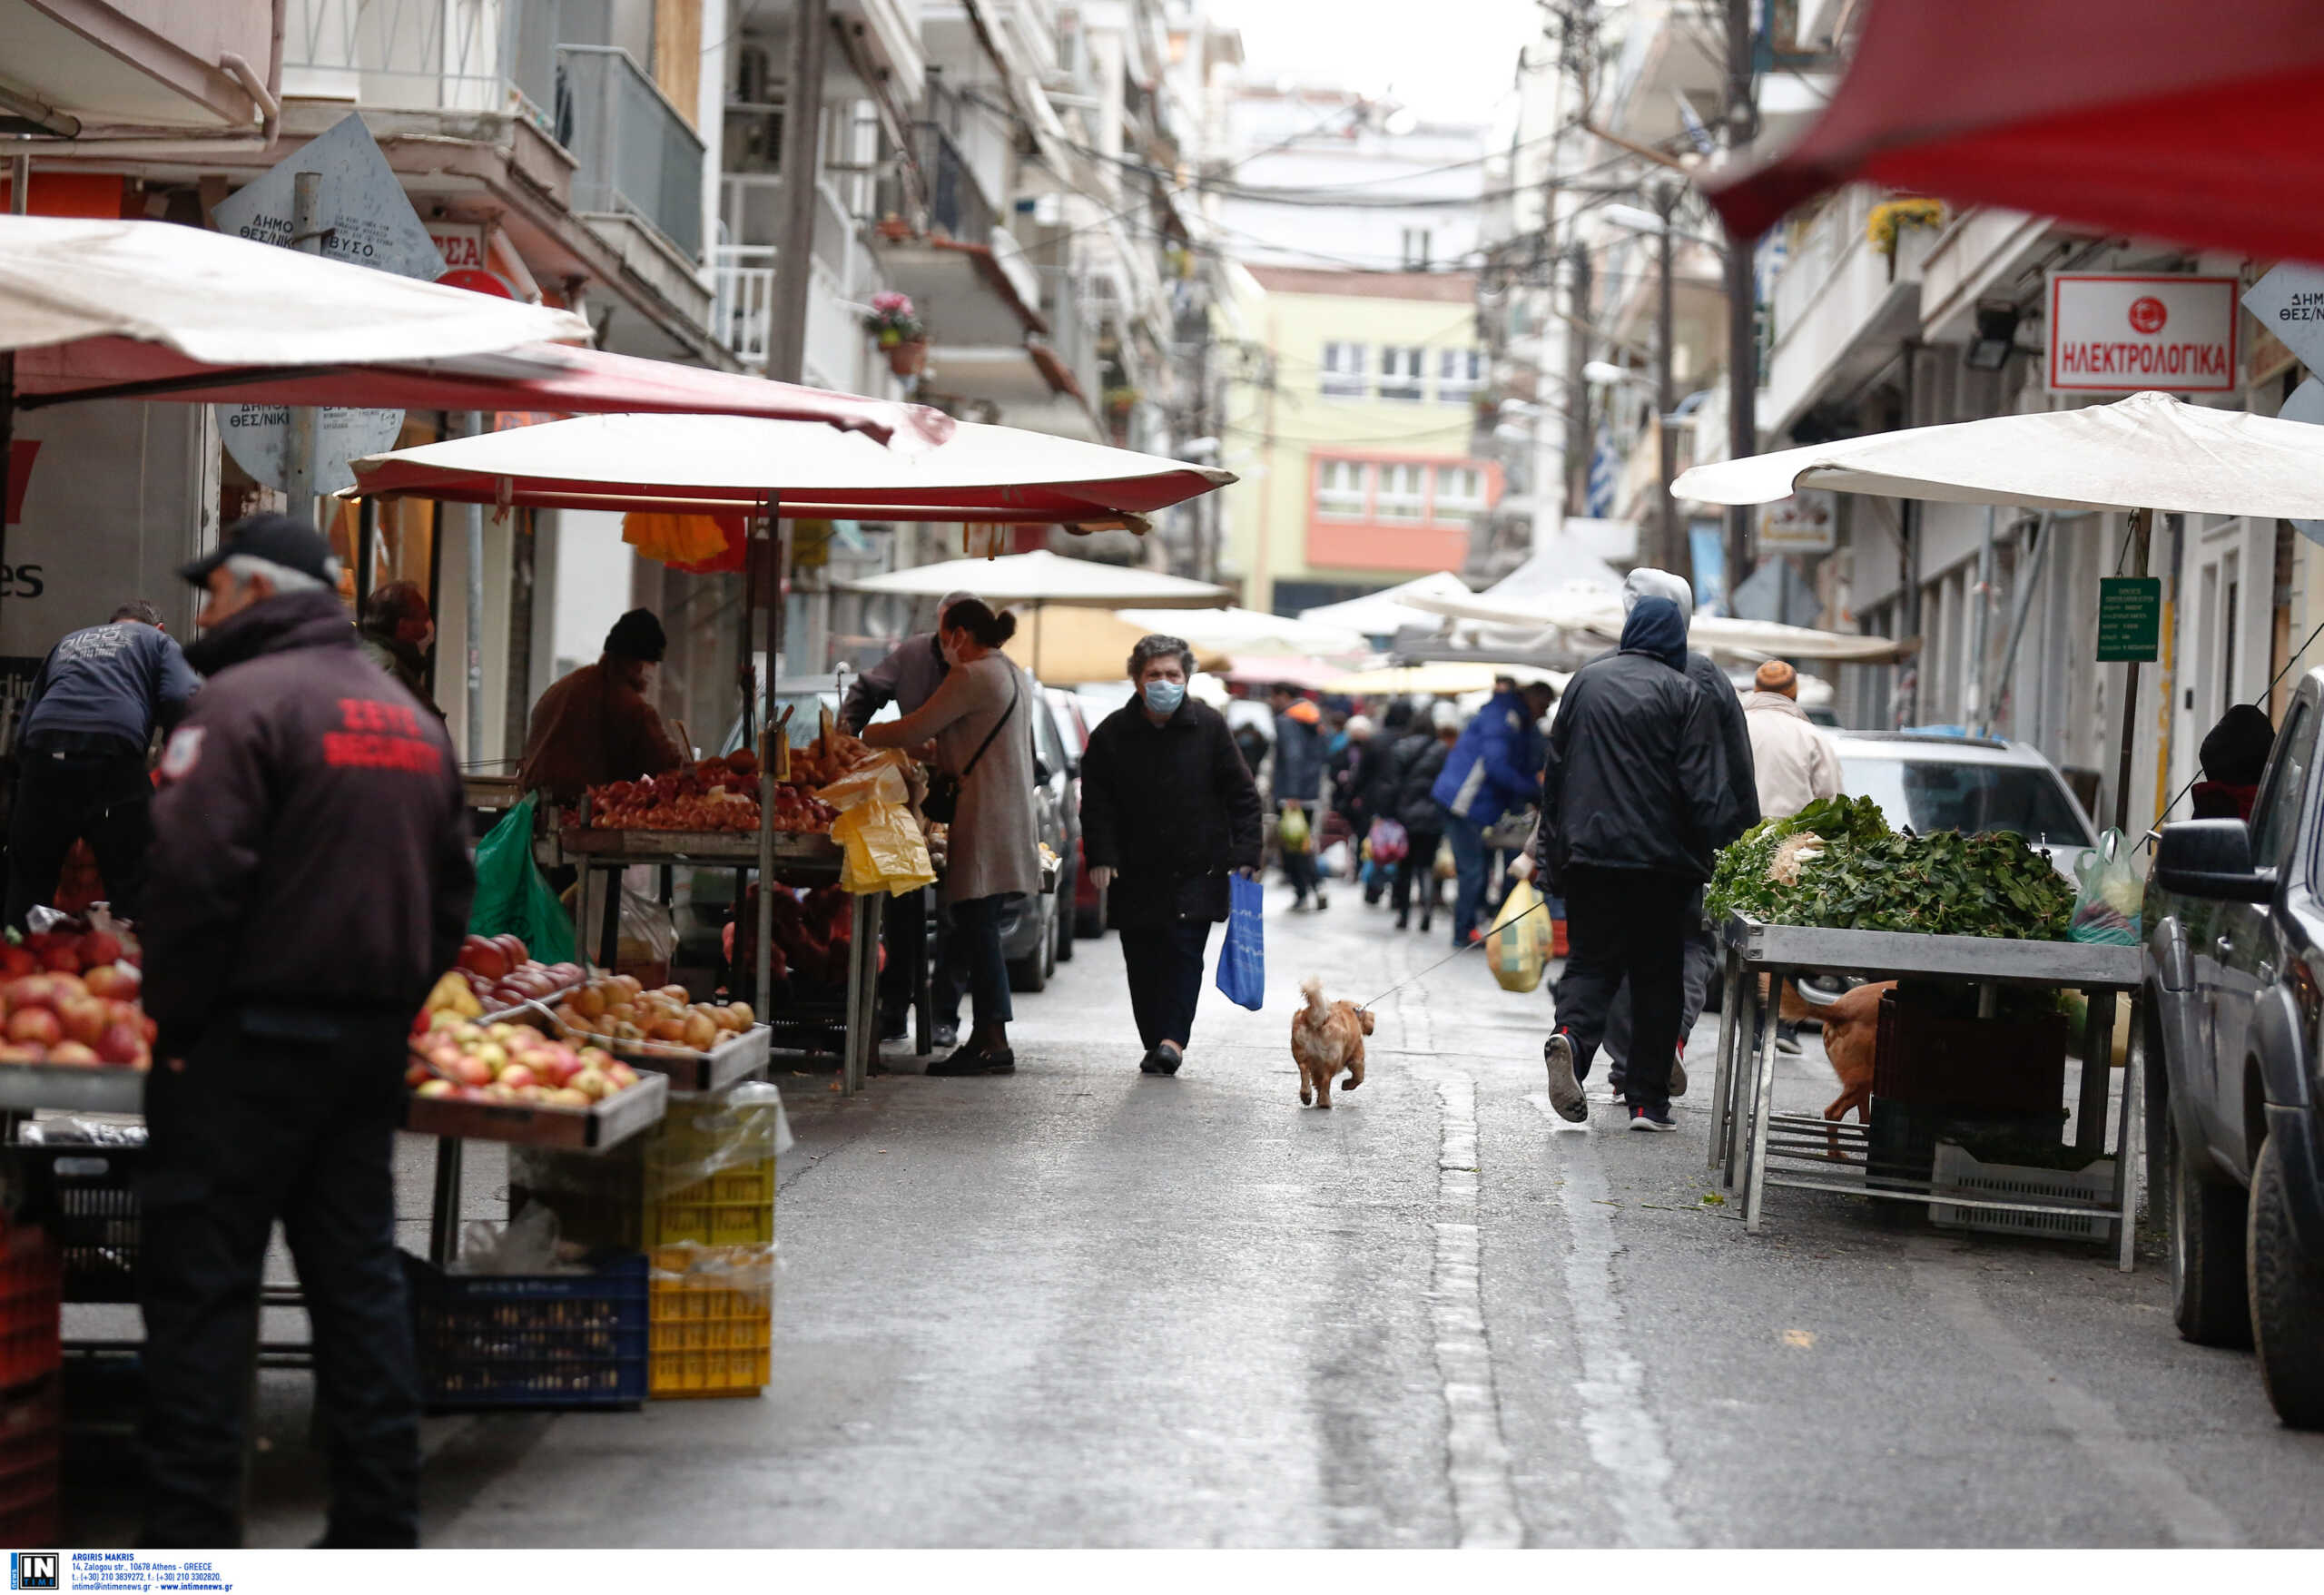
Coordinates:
x,y
278,539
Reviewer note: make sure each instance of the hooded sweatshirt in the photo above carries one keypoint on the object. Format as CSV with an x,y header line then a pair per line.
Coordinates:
x,y
1727,711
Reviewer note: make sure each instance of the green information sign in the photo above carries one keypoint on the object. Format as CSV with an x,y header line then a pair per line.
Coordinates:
x,y
2130,619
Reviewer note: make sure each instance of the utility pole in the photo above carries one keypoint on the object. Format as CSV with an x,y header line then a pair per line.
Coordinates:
x,y
298,437
1670,554
1580,447
802,120
1742,294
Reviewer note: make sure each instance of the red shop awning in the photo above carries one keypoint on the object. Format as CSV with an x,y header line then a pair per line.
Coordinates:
x,y
2189,120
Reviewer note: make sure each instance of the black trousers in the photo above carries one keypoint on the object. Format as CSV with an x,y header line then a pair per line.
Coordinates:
x,y
1701,957
288,1117
1165,962
905,928
102,797
1626,924
1299,869
1417,867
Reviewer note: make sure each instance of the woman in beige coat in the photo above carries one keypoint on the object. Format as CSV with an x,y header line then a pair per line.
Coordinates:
x,y
981,724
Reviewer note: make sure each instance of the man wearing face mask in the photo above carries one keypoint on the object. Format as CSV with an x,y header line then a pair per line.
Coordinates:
x,y
1167,808
599,723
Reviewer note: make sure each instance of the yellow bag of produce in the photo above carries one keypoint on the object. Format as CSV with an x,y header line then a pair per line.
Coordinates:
x,y
881,780
1519,942
884,850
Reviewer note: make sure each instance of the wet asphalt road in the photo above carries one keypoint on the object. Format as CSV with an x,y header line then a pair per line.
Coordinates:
x,y
1081,1307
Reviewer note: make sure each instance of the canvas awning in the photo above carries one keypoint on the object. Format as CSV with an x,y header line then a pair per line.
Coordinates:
x,y
702,464
1386,613
150,310
2174,119
1445,679
1044,578
1074,646
1246,632
1600,617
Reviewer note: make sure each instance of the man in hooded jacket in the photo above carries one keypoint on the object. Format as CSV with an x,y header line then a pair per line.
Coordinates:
x,y
1636,798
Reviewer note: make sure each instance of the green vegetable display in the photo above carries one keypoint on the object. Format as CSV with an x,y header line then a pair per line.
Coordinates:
x,y
1859,875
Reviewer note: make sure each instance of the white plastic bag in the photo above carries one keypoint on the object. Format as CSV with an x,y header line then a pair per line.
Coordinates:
x,y
2106,910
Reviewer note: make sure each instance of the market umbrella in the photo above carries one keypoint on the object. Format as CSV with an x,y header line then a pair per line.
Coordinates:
x,y
150,310
1077,645
2181,119
1599,615
1440,679
1252,632
1287,669
1386,613
1043,578
706,463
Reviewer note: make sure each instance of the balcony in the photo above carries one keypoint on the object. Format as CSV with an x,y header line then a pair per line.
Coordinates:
x,y
90,69
1840,307
633,156
841,275
497,57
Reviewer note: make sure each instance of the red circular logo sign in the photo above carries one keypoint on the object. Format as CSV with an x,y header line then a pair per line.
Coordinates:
x,y
2147,314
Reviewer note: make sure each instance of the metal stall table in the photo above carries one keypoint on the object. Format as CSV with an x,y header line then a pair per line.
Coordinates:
x,y
1747,1133
800,859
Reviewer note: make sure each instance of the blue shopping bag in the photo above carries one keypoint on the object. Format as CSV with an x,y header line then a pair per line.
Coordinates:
x,y
1242,957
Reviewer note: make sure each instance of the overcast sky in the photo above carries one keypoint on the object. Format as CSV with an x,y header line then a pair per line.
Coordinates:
x,y
1449,59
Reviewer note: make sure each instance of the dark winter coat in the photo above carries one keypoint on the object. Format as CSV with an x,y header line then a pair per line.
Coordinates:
x,y
591,728
1636,776
109,684
1172,808
1491,768
1298,761
311,840
1416,805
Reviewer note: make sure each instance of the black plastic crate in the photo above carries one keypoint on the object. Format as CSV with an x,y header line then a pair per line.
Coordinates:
x,y
545,1339
86,1196
31,1445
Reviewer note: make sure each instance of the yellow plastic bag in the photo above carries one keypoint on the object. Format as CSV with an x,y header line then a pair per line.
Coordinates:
x,y
1518,945
879,781
884,850
1291,831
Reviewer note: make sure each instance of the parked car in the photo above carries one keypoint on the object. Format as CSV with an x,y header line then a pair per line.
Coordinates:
x,y
1030,928
1086,903
1933,781
2234,925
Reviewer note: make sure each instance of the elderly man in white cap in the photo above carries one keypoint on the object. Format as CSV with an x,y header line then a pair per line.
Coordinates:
x,y
907,677
1735,738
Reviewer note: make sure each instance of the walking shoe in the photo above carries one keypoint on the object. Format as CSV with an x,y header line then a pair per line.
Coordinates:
x,y
948,1034
1787,1037
1299,905
1565,1090
1678,1077
964,1061
1405,920
1646,1118
1166,1059
1003,1062
1614,1088
1151,1064
1321,900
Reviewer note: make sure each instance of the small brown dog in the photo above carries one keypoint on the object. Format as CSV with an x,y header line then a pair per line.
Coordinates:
x,y
1851,1036
1325,1040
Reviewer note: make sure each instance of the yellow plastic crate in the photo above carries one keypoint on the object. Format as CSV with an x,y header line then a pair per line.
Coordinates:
x,y
734,1207
707,1341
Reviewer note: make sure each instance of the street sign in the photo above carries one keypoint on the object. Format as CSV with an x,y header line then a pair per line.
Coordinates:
x,y
2306,404
2289,302
2132,332
1805,523
370,223
2130,619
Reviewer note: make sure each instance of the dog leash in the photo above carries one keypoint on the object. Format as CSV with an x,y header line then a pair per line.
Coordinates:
x,y
1439,963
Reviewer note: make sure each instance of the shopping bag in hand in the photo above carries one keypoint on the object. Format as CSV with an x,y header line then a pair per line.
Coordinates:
x,y
1242,957
511,897
1292,832
884,850
1518,945
2106,910
1389,841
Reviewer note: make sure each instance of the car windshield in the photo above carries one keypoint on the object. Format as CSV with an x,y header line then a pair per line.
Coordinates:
x,y
1942,794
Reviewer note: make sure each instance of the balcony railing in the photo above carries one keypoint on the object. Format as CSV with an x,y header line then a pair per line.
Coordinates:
x,y
634,155
742,303
1073,331
742,273
477,56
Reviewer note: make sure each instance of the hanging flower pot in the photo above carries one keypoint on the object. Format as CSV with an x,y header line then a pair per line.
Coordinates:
x,y
893,228
908,356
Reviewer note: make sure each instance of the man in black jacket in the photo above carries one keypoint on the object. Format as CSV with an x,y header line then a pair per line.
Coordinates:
x,y
1167,808
311,878
1635,802
1421,758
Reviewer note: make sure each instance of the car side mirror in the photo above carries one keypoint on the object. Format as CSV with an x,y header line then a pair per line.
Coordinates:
x,y
2211,859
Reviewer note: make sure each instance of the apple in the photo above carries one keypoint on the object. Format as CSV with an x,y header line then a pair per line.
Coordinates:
x,y
516,1076
85,1019
418,1074
36,1027
436,1088
73,1052
482,958
64,988
742,1015
589,1002
62,960
31,991
623,1076
568,1097
471,1070
112,981
702,1032
100,947
121,1043
15,960
153,1028
593,1083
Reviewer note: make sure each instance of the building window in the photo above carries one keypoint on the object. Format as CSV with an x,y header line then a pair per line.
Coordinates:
x,y
1459,374
1343,371
1460,491
1402,494
1403,374
1417,240
1339,488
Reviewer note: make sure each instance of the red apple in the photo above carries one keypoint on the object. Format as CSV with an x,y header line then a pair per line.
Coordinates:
x,y
15,960
35,1027
73,1052
62,960
152,1029
417,1074
122,1044
472,1071
85,1019
517,1076
514,947
63,989
113,980
31,992
100,947
484,958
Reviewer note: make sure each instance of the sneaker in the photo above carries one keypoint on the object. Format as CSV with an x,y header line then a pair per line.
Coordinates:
x,y
1787,1038
1166,1059
1322,901
1299,905
1565,1090
1646,1118
948,1034
1614,1089
1405,920
1678,1076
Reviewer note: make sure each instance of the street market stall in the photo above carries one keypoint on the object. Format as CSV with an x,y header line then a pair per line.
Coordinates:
x,y
769,471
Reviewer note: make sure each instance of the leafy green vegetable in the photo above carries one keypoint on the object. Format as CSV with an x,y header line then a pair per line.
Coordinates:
x,y
1867,877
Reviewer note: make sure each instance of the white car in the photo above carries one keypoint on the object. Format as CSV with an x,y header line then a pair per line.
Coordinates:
x,y
1935,782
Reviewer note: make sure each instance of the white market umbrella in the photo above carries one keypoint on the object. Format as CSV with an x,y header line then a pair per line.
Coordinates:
x,y
1252,633
704,464
1442,678
1386,613
1561,567
1591,613
1042,578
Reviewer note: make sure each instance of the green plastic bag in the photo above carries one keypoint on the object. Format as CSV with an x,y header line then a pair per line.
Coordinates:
x,y
512,897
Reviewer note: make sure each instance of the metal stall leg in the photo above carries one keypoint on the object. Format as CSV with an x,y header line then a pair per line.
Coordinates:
x,y
2130,1161
609,936
444,1221
923,977
863,993
2097,1074
1730,986
1762,1104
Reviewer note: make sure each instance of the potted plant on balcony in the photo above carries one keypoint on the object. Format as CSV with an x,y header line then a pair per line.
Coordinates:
x,y
896,327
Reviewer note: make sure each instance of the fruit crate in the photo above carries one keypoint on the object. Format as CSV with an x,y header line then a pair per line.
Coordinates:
x,y
545,1339
733,1208
1961,1173
708,1340
87,1196
32,1285
30,1448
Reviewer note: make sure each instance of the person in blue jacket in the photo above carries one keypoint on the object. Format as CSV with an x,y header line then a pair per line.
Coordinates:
x,y
1495,769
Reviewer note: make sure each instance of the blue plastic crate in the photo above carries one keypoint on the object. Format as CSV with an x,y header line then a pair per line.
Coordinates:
x,y
548,1340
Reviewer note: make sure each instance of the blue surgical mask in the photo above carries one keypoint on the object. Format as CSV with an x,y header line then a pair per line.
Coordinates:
x,y
1164,697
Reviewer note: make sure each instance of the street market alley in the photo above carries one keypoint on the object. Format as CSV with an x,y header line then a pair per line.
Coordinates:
x,y
1081,1307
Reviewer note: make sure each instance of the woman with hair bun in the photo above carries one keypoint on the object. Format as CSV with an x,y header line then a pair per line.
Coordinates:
x,y
980,722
